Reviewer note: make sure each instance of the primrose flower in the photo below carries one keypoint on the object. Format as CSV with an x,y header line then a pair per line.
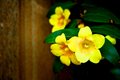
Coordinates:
x,y
86,46
60,19
61,50
111,39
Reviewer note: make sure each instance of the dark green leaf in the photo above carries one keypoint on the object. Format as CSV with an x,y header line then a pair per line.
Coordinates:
x,y
116,73
107,30
68,33
73,23
101,29
101,15
88,4
57,66
109,52
65,5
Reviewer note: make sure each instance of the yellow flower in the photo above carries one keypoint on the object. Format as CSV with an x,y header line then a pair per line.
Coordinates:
x,y
60,19
81,25
86,46
61,50
111,39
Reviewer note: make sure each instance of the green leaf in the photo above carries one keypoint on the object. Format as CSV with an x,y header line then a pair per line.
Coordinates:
x,y
109,52
101,29
116,73
87,4
73,23
100,15
57,65
68,33
65,5
107,30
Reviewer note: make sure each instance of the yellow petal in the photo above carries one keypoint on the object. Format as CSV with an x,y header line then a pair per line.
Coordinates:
x,y
73,43
53,19
58,10
57,52
84,32
98,40
56,28
111,39
61,38
55,46
55,49
64,24
66,13
74,60
96,56
65,60
82,57
81,25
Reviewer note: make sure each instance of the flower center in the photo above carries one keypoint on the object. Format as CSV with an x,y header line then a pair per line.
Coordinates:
x,y
66,50
61,20
87,44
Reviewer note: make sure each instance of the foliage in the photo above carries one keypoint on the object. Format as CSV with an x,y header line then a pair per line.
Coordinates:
x,y
100,20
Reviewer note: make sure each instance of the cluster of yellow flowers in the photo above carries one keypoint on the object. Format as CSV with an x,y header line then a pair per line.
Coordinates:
x,y
78,49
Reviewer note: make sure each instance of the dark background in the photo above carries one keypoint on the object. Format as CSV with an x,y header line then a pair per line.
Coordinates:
x,y
112,5
90,71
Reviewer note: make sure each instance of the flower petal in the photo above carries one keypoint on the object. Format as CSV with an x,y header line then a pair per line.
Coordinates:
x,y
65,60
55,46
82,57
53,19
74,60
61,38
84,32
66,13
55,49
96,56
56,28
81,25
73,43
58,10
56,52
98,40
111,39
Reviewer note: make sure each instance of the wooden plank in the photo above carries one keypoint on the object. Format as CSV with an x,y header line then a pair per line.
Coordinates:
x,y
35,57
42,58
26,62
9,39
